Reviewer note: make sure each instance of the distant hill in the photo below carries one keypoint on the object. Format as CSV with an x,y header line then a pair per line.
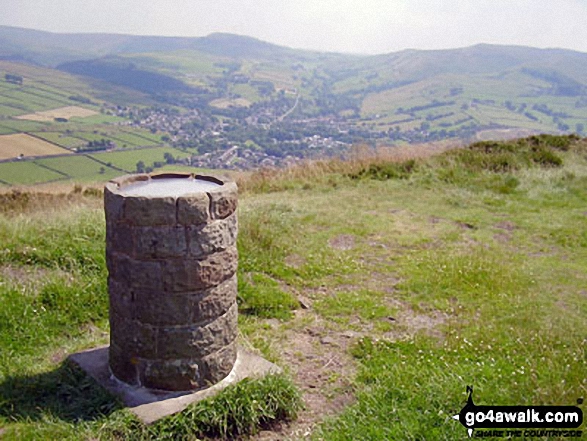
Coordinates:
x,y
52,49
481,91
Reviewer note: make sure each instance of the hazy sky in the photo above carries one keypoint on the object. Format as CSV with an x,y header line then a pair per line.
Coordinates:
x,y
363,26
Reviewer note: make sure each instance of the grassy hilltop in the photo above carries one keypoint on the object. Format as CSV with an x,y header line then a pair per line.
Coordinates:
x,y
383,286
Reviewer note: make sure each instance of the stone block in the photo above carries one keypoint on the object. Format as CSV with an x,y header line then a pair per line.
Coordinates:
x,y
122,366
215,236
145,274
123,301
133,337
146,211
162,309
218,365
119,237
118,265
159,242
198,341
113,204
215,301
174,375
223,201
197,274
193,209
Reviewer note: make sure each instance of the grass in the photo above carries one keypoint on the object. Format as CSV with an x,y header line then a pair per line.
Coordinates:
x,y
454,272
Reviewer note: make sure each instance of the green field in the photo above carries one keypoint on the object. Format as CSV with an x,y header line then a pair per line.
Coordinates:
x,y
80,135
23,126
7,110
61,139
127,160
97,119
26,173
131,139
80,168
6,130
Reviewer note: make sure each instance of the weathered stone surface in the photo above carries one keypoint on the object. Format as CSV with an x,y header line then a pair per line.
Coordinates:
x,y
218,365
215,301
123,301
159,242
145,274
146,211
197,274
223,201
128,179
197,341
123,366
215,236
133,337
172,285
193,209
158,308
176,375
113,204
118,265
139,274
119,237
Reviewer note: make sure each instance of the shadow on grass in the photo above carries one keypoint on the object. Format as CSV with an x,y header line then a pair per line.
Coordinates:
x,y
66,393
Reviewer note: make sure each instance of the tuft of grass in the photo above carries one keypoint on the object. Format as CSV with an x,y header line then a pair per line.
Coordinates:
x,y
239,410
333,172
264,237
37,313
365,304
383,171
261,296
68,241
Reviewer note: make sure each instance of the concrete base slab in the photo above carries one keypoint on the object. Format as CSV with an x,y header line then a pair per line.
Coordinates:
x,y
151,405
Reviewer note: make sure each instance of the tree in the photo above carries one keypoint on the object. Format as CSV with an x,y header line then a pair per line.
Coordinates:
x,y
169,159
140,167
15,79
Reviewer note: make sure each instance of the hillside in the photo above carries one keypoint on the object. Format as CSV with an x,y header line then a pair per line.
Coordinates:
x,y
384,286
228,101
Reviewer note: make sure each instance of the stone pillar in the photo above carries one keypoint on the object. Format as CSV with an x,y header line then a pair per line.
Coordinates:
x,y
172,263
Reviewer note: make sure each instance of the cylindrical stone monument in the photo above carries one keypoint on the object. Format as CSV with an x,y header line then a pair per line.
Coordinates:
x,y
171,257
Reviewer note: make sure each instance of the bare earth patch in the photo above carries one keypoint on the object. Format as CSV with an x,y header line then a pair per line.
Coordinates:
x,y
316,353
223,103
342,242
295,261
62,112
321,367
19,274
506,228
12,146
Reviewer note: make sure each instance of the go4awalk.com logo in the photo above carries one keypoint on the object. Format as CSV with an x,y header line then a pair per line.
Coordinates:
x,y
520,421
